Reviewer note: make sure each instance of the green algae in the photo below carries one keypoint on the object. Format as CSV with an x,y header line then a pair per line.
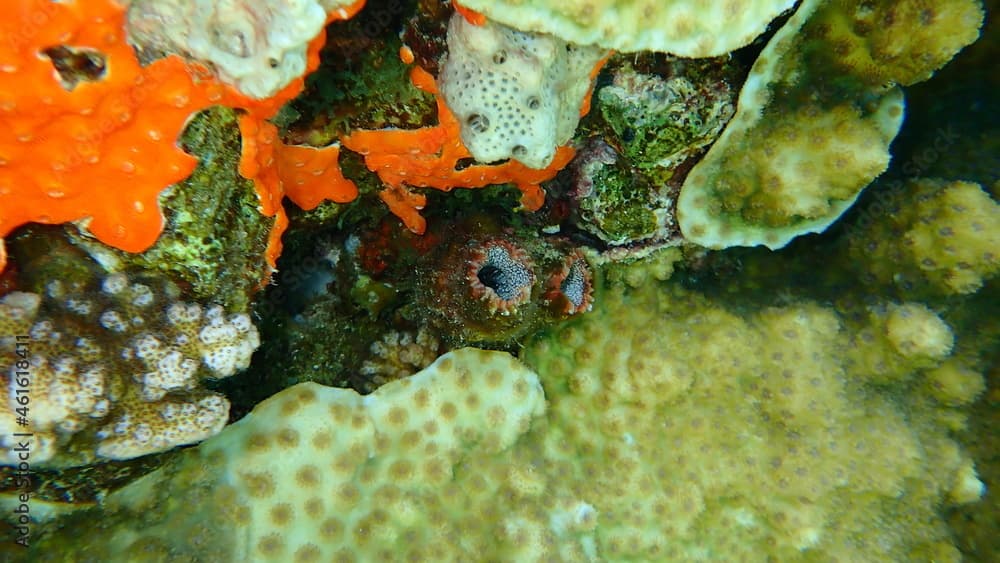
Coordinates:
x,y
212,218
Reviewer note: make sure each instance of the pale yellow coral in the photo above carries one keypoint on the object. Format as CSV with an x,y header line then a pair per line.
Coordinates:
x,y
916,331
896,41
954,384
898,339
946,242
758,448
782,168
955,238
677,429
812,128
688,28
325,474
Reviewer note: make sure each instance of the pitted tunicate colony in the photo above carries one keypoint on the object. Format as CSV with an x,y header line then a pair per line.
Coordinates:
x,y
516,95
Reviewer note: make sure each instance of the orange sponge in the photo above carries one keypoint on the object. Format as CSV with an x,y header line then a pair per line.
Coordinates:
x,y
429,158
103,149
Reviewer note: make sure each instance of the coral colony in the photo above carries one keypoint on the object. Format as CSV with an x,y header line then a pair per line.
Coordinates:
x,y
560,280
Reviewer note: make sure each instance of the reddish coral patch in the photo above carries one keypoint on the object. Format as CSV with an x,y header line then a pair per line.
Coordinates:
x,y
470,15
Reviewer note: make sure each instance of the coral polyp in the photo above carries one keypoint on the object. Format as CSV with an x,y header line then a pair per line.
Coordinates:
x,y
479,289
571,287
500,274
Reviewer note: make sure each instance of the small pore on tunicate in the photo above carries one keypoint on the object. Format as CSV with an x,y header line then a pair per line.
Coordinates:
x,y
478,122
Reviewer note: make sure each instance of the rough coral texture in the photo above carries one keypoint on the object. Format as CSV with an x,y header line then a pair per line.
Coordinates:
x,y
114,372
399,354
676,429
516,95
324,474
257,46
687,28
713,435
895,339
935,237
806,137
892,41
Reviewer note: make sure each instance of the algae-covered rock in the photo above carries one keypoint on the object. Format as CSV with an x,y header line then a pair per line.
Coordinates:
x,y
317,473
655,117
813,125
212,219
660,122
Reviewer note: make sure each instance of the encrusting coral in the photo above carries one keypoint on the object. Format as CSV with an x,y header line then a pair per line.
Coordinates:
x,y
114,372
810,134
324,474
675,429
688,28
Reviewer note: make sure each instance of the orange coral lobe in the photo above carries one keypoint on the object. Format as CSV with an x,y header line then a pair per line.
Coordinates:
x,y
306,175
274,245
346,13
311,175
585,107
406,55
406,205
428,157
257,161
423,80
470,15
93,151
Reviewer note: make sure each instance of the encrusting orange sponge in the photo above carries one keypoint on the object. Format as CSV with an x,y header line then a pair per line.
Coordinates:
x,y
104,149
306,175
428,158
